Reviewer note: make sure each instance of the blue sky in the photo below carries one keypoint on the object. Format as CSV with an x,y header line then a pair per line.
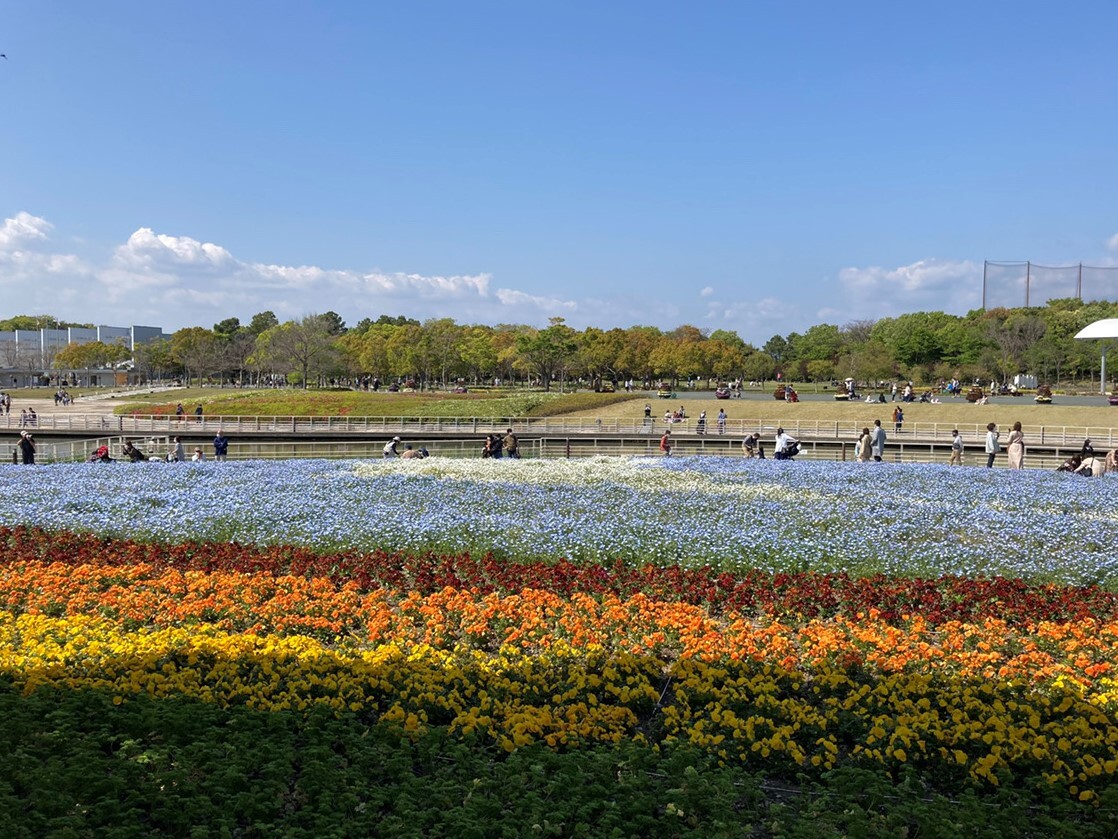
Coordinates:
x,y
760,167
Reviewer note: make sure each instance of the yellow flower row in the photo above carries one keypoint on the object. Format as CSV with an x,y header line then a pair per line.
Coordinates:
x,y
744,711
533,619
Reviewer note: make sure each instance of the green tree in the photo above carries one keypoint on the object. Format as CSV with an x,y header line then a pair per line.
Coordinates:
x,y
822,342
154,359
758,367
227,328
262,321
478,352
197,350
548,352
442,337
305,347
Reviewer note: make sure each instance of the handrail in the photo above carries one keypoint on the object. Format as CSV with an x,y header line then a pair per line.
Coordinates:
x,y
1103,437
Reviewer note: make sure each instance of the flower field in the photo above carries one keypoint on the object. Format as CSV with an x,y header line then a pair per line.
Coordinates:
x,y
706,647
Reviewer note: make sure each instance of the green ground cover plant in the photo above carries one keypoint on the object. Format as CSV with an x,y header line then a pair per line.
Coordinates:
x,y
383,404
76,765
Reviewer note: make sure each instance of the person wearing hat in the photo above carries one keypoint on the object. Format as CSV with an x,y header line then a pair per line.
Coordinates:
x,y
390,448
27,448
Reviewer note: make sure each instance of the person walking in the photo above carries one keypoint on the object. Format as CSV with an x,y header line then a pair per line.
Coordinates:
x,y
177,453
1015,448
877,441
992,444
956,449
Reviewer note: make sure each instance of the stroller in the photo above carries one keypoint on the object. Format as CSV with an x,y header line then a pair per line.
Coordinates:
x,y
789,452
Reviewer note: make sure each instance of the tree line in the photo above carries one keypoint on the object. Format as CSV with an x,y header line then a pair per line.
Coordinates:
x,y
922,347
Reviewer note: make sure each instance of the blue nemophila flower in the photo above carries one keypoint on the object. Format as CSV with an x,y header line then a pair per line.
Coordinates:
x,y
725,512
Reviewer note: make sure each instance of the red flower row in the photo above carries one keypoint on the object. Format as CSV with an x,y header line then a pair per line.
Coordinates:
x,y
807,595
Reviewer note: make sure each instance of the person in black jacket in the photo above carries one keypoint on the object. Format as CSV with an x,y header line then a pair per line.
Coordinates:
x,y
27,448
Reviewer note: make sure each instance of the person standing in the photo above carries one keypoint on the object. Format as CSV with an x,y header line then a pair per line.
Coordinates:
x,y
221,445
1015,448
956,449
787,446
992,444
27,448
198,413
178,453
701,425
877,441
865,446
648,417
512,445
898,418
666,443
721,421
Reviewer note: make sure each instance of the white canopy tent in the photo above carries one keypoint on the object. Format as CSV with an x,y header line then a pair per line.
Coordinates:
x,y
1106,328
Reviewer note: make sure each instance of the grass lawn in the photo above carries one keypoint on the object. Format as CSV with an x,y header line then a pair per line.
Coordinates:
x,y
1004,411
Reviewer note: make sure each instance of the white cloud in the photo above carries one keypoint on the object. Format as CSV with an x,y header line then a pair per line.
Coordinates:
x,y
177,281
34,280
147,250
551,305
21,229
1112,242
706,291
927,285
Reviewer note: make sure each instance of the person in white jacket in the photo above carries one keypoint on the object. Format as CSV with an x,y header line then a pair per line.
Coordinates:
x,y
992,444
785,445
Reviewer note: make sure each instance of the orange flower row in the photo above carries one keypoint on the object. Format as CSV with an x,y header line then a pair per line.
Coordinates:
x,y
1085,653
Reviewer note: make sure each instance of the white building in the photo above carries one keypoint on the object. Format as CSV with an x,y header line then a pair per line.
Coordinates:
x,y
27,355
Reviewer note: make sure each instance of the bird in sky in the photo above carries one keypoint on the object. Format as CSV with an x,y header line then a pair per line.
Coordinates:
x,y
3,56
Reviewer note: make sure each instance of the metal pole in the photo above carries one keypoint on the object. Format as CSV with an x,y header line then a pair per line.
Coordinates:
x,y
1079,283
984,264
1028,280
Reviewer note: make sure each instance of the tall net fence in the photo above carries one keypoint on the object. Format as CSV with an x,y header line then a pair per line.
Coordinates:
x,y
1016,284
